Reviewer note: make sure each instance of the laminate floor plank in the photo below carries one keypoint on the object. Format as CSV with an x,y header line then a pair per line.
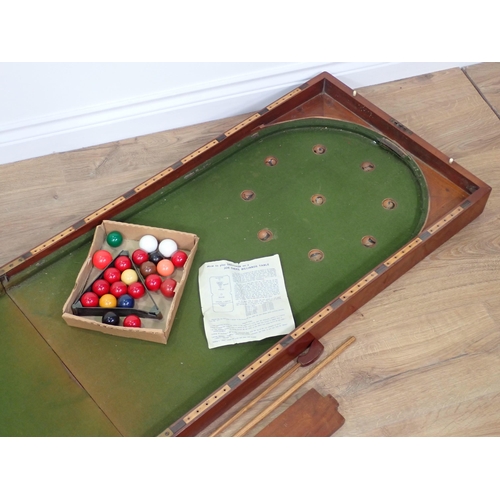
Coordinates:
x,y
486,78
443,108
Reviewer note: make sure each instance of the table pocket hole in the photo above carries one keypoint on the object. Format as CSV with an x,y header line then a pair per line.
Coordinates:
x,y
316,255
247,195
367,166
271,161
389,204
265,235
318,199
368,241
319,149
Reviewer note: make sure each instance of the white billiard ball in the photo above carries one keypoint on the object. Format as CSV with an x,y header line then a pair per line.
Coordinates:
x,y
148,243
167,247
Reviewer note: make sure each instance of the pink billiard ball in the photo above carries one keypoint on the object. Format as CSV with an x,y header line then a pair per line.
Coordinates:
x,y
132,321
153,282
165,267
123,263
101,259
100,287
136,290
89,299
179,258
139,256
111,275
118,288
168,287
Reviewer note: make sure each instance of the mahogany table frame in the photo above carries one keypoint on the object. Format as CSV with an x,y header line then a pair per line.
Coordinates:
x,y
456,197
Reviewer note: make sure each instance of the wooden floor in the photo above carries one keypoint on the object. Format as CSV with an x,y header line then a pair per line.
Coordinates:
x,y
427,357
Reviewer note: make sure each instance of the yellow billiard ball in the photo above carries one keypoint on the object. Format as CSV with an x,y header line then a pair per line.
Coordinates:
x,y
107,300
129,276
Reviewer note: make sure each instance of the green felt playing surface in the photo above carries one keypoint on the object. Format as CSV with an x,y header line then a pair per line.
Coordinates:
x,y
38,396
143,387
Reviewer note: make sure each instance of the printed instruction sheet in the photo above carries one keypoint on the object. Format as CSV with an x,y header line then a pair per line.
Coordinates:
x,y
244,302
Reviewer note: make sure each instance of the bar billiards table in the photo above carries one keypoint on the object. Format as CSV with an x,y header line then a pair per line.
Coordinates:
x,y
349,198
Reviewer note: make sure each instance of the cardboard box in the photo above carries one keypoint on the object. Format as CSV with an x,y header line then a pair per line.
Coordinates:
x,y
152,329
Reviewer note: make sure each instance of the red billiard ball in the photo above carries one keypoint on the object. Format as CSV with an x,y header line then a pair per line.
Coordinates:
x,y
139,256
136,290
100,287
111,275
123,263
179,258
153,282
102,259
89,299
167,288
118,288
132,321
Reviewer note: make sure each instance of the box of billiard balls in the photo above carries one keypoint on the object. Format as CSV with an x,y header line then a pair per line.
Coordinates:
x,y
132,281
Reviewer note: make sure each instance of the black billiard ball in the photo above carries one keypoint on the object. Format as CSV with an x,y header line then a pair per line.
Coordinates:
x,y
111,318
155,257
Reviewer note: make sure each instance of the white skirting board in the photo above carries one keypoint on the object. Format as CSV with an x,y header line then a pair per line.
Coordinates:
x,y
201,98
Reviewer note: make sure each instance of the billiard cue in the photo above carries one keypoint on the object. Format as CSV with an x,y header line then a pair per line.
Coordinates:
x,y
294,388
257,399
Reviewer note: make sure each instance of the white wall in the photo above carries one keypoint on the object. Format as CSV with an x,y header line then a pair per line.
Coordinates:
x,y
55,107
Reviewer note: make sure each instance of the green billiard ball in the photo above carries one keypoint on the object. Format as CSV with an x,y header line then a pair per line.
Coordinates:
x,y
114,239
